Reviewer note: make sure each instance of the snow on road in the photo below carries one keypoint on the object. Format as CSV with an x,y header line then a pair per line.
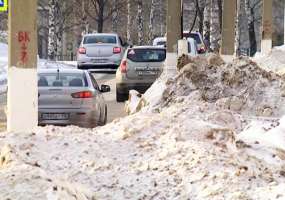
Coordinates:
x,y
202,137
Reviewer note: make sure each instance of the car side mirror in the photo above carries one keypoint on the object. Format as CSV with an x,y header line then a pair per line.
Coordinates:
x,y
105,88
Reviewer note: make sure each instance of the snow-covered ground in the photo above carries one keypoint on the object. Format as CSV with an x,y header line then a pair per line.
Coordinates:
x,y
215,131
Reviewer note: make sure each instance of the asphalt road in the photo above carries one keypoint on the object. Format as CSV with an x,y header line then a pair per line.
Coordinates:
x,y
115,110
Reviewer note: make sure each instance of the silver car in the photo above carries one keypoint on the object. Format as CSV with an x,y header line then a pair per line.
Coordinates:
x,y
139,68
100,50
70,97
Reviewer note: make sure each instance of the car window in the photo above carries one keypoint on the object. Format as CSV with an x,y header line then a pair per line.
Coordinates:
x,y
161,43
94,82
62,80
196,37
146,55
97,39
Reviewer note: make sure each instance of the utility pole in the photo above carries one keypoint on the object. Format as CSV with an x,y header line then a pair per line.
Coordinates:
x,y
228,29
174,27
266,40
22,102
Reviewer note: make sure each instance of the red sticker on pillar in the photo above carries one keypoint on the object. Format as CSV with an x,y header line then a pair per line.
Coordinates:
x,y
24,39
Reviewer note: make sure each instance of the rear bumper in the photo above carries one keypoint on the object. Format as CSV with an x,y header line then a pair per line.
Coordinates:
x,y
140,87
84,61
82,118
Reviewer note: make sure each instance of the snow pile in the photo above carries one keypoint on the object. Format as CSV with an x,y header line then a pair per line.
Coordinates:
x,y
195,140
241,86
274,61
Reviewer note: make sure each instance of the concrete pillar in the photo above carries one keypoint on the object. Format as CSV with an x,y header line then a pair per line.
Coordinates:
x,y
267,26
22,115
174,15
228,29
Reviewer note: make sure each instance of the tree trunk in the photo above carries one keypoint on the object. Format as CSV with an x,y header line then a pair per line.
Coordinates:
x,y
100,19
237,31
151,22
140,23
201,7
162,17
129,22
250,12
215,27
51,30
207,22
115,15
85,24
220,7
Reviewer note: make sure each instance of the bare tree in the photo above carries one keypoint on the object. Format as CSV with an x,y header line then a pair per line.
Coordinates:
x,y
140,22
151,21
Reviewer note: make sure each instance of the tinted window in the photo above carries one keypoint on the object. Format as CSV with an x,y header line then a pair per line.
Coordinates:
x,y
146,55
62,80
97,39
94,82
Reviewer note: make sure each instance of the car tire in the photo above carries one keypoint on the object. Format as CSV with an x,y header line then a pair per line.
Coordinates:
x,y
121,97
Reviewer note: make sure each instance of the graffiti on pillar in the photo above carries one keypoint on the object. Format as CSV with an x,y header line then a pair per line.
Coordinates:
x,y
24,40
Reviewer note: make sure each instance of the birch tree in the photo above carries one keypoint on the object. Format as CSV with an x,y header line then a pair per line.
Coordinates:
x,y
51,27
129,22
115,16
215,27
140,22
207,22
237,30
151,21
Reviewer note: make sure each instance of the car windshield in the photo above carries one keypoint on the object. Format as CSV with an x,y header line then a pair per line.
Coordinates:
x,y
62,80
97,39
146,55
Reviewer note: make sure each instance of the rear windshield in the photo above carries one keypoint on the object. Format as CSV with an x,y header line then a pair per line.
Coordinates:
x,y
97,39
62,80
146,55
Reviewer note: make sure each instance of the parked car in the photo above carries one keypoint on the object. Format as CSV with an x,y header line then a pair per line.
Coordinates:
x,y
140,67
192,45
70,96
100,50
202,48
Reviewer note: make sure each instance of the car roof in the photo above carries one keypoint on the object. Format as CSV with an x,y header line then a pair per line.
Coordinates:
x,y
61,70
147,47
159,39
95,34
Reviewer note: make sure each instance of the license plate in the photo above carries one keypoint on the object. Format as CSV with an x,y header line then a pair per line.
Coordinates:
x,y
55,116
143,73
99,60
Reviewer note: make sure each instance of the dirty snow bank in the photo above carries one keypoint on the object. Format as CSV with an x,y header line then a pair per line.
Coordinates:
x,y
273,61
196,141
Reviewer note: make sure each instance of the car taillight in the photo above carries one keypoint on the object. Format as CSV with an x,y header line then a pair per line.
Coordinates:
x,y
117,50
82,50
123,66
82,95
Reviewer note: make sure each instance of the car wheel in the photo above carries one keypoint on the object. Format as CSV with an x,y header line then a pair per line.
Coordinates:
x,y
121,97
